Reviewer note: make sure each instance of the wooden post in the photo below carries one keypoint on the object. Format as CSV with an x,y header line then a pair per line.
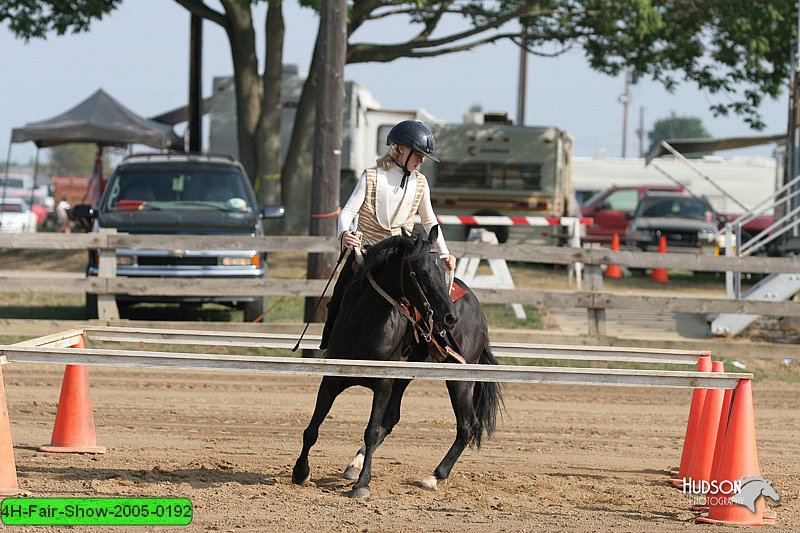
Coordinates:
x,y
107,268
196,84
327,141
593,276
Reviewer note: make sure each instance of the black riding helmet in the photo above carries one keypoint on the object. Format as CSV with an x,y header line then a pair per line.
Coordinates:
x,y
415,135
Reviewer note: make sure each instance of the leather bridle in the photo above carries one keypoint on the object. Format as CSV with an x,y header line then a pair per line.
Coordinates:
x,y
423,324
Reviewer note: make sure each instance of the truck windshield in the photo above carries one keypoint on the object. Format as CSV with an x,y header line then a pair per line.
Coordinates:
x,y
688,207
178,187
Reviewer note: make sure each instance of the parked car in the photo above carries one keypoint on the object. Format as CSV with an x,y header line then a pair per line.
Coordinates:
x,y
186,195
16,216
611,208
688,222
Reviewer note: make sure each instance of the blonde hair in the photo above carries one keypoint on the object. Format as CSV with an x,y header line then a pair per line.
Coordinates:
x,y
389,159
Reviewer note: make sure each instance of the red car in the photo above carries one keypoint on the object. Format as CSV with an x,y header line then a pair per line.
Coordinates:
x,y
611,209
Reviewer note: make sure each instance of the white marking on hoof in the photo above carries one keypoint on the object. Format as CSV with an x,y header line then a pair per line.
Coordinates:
x,y
359,494
429,483
354,468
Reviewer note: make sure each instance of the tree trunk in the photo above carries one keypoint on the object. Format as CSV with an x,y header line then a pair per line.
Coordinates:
x,y
269,127
248,86
296,175
268,184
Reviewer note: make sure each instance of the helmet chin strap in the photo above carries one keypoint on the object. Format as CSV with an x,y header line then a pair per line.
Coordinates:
x,y
406,172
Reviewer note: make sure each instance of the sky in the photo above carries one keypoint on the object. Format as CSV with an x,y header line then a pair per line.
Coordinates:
x,y
139,55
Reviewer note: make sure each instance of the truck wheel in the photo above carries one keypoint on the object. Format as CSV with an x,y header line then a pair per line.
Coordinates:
x,y
253,310
91,306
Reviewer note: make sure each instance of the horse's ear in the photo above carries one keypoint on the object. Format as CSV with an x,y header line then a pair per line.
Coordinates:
x,y
433,236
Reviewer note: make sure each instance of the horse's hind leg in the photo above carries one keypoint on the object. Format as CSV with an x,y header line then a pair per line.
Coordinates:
x,y
329,389
390,419
466,426
381,391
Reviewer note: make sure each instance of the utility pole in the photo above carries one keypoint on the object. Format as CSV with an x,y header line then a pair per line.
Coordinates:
x,y
196,84
625,100
327,141
640,132
523,82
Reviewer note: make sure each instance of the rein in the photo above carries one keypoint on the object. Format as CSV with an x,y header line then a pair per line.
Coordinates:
x,y
426,330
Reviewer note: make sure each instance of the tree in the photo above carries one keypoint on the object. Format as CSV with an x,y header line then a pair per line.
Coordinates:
x,y
737,50
676,127
74,159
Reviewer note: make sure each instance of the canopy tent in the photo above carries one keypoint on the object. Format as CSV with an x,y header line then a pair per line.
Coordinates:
x,y
697,146
102,120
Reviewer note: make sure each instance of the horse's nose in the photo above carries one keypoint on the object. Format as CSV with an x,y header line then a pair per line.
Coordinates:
x,y
450,320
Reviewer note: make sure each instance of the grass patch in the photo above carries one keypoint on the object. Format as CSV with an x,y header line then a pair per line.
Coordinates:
x,y
502,316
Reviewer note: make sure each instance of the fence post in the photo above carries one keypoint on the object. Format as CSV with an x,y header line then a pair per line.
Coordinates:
x,y
593,275
107,268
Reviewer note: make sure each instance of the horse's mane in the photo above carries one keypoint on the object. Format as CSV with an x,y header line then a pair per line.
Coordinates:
x,y
392,249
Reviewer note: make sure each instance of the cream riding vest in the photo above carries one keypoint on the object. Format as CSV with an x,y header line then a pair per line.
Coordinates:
x,y
369,222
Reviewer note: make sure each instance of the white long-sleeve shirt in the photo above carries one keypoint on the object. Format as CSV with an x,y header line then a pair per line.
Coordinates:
x,y
388,196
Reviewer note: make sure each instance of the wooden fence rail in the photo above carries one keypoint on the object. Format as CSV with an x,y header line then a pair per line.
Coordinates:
x,y
528,253
594,299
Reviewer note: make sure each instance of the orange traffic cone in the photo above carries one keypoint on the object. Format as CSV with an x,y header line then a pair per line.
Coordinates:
x,y
8,468
695,412
739,460
73,431
721,430
702,458
661,275
614,271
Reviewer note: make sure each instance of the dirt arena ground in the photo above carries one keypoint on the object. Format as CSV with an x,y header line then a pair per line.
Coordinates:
x,y
582,458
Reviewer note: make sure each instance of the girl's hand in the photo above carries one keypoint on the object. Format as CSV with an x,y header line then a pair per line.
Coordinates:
x,y
449,261
350,241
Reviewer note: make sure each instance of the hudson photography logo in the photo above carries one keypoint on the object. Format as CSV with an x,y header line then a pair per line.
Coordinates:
x,y
744,491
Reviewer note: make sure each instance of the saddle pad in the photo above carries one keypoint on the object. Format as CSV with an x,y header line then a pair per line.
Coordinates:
x,y
456,292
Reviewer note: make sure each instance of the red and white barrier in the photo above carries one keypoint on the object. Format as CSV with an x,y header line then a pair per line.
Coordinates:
x,y
478,220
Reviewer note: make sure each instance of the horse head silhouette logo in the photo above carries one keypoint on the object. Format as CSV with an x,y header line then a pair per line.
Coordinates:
x,y
752,488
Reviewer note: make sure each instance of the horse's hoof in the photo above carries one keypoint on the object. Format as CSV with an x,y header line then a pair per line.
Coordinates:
x,y
302,481
429,483
351,472
361,493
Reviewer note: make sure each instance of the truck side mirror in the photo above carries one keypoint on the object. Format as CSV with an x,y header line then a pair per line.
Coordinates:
x,y
272,211
84,211
629,215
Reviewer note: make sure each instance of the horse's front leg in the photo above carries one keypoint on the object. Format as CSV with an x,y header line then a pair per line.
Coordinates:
x,y
329,389
381,392
390,420
466,426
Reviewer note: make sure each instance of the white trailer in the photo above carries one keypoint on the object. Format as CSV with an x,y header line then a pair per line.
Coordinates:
x,y
488,166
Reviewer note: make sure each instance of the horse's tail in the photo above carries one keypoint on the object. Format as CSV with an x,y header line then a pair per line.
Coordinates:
x,y
487,400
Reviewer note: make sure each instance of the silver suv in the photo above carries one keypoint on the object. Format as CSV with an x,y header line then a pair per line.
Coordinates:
x,y
188,195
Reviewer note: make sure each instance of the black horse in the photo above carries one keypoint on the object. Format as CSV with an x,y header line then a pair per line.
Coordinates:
x,y
377,320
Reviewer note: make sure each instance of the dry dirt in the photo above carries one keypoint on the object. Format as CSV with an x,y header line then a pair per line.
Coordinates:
x,y
564,458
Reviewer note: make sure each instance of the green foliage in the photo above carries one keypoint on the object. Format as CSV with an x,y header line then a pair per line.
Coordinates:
x,y
736,50
29,19
72,160
676,127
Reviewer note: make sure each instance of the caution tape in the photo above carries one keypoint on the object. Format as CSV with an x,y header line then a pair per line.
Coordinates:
x,y
479,220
